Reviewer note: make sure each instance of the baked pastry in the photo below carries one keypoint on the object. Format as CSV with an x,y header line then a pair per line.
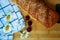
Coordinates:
x,y
39,11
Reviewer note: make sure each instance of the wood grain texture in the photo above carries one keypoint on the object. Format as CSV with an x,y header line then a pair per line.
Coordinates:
x,y
39,32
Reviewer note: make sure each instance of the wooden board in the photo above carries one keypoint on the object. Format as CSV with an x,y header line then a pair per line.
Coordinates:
x,y
39,32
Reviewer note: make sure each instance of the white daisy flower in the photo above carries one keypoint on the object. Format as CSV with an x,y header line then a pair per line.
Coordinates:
x,y
25,34
7,28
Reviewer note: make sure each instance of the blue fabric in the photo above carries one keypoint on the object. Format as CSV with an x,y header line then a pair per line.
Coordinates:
x,y
16,21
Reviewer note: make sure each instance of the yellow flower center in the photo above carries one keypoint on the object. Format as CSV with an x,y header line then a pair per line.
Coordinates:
x,y
8,17
7,27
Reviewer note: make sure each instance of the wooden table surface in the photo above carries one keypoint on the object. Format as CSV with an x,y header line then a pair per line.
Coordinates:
x,y
39,32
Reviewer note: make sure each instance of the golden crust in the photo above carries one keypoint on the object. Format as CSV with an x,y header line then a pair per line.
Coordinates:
x,y
38,10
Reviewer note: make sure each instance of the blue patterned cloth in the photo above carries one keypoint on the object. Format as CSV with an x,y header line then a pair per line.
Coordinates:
x,y
16,22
